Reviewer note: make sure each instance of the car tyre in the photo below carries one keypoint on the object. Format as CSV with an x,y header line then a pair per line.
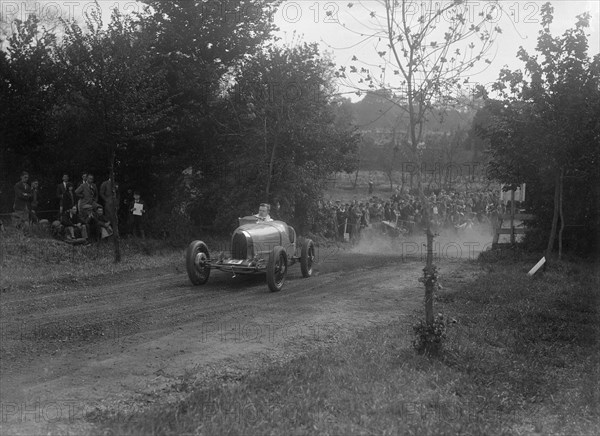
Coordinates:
x,y
277,269
307,257
196,262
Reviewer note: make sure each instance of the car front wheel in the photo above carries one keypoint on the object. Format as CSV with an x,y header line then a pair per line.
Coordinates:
x,y
307,257
197,260
277,269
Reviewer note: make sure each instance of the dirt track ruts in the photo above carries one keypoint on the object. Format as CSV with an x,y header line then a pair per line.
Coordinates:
x,y
129,340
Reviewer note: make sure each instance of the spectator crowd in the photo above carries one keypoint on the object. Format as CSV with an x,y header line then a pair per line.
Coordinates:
x,y
404,212
85,213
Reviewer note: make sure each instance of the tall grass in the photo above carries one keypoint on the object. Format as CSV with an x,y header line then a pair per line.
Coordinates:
x,y
30,260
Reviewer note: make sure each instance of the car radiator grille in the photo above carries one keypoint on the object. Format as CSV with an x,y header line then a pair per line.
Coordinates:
x,y
239,247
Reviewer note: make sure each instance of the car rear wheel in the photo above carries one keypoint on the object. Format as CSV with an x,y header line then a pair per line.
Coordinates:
x,y
307,257
277,269
197,260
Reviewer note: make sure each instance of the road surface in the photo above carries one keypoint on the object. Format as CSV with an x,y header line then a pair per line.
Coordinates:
x,y
121,343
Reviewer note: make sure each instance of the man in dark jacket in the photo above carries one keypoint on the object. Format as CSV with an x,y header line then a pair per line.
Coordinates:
x,y
23,197
73,225
68,200
88,194
103,223
341,216
35,202
111,206
61,188
137,210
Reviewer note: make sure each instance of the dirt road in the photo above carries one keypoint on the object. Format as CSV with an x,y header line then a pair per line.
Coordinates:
x,y
127,341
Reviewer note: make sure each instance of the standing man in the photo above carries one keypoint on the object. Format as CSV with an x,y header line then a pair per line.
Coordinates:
x,y
61,188
69,199
84,177
23,196
138,209
340,215
111,204
81,182
33,207
88,194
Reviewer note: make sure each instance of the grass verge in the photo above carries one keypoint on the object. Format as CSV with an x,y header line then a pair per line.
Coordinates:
x,y
521,358
30,261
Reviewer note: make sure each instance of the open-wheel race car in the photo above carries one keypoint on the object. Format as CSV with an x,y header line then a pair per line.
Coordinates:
x,y
257,247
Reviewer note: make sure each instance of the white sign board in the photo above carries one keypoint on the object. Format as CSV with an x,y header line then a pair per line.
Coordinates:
x,y
506,195
537,266
138,208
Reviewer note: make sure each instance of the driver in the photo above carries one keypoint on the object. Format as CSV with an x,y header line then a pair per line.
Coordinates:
x,y
263,212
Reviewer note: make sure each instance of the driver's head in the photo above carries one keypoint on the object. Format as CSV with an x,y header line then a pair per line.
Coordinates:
x,y
263,210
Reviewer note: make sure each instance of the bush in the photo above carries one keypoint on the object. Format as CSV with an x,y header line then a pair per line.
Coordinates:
x,y
171,225
429,340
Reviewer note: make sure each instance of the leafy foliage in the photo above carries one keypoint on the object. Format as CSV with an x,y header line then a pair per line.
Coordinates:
x,y
284,135
28,89
544,124
429,339
181,101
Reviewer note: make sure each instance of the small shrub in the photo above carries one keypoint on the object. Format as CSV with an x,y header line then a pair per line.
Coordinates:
x,y
171,225
429,339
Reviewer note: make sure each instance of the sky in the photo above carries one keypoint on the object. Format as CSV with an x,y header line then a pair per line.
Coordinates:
x,y
337,27
520,23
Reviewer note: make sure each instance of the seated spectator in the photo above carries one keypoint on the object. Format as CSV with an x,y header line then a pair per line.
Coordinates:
x,y
103,223
86,213
74,226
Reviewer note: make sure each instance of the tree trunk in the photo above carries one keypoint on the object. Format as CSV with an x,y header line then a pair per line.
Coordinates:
x,y
355,178
114,218
430,278
552,236
429,272
402,180
270,175
512,216
562,218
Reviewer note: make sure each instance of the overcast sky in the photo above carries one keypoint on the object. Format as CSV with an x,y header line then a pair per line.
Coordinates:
x,y
520,23
323,22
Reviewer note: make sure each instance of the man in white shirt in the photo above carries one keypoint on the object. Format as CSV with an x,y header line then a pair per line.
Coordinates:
x,y
263,212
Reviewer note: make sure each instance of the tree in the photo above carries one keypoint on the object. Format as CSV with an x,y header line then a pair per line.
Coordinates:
x,y
544,127
114,79
422,65
28,91
200,43
285,132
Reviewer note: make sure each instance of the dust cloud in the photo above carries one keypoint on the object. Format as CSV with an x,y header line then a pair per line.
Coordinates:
x,y
447,244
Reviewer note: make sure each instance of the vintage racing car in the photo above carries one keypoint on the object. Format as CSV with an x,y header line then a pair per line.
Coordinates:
x,y
257,247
